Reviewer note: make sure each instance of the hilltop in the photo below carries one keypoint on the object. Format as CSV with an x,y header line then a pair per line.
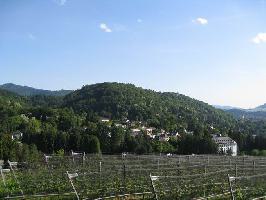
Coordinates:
x,y
30,91
166,110
179,124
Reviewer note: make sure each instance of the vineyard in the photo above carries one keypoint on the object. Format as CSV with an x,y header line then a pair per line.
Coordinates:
x,y
124,176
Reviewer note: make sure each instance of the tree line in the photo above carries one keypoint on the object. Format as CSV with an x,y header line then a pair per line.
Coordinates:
x,y
51,124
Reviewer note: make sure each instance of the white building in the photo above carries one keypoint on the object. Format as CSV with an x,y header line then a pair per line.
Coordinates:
x,y
225,144
135,132
17,135
104,120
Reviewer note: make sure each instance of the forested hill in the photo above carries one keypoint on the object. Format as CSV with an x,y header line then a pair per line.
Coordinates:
x,y
4,94
8,98
167,110
260,108
29,91
246,114
53,124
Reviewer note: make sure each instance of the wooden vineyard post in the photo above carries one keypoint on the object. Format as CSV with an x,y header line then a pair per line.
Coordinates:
x,y
243,164
205,170
235,172
153,187
46,159
254,166
11,164
100,173
83,158
70,176
124,178
231,189
205,173
100,167
72,154
158,164
3,176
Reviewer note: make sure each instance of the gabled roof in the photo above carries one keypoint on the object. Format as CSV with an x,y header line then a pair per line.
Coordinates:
x,y
223,140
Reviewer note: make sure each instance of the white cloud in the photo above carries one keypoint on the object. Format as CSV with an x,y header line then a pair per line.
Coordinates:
x,y
105,28
260,38
60,2
139,20
201,21
31,36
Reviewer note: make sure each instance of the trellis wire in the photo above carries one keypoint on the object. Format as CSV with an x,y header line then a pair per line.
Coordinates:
x,y
105,169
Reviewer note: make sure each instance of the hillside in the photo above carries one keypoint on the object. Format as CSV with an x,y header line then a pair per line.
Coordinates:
x,y
258,113
29,91
247,114
225,107
7,98
4,94
55,123
260,108
166,110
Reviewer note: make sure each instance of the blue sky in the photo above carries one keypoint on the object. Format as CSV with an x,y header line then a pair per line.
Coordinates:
x,y
211,50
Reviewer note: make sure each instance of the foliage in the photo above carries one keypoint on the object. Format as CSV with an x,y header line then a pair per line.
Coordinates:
x,y
170,111
102,176
73,122
29,91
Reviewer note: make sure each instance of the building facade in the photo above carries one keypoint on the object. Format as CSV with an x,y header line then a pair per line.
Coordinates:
x,y
226,145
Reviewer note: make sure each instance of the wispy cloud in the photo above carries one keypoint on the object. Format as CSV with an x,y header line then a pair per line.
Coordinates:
x,y
260,38
60,2
201,21
139,20
31,36
105,28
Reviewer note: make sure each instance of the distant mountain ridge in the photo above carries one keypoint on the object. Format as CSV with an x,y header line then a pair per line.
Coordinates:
x,y
260,108
120,102
40,97
226,107
257,113
30,91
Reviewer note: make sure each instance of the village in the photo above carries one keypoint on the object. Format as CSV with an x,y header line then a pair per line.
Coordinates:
x,y
225,144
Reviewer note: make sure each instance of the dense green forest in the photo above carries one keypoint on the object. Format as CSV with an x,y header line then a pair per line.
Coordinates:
x,y
56,124
29,91
244,114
